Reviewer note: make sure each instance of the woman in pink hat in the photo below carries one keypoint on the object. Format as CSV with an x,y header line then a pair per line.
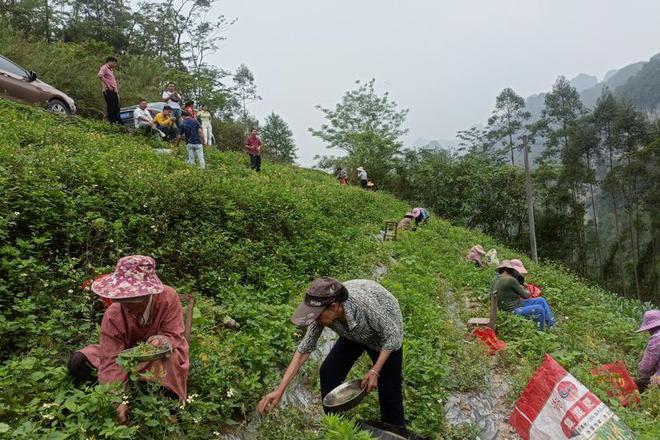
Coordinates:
x,y
512,296
143,310
649,367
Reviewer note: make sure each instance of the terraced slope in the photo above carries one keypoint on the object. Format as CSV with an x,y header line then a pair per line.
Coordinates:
x,y
75,195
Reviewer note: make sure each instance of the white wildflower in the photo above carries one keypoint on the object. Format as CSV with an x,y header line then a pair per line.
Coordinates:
x,y
111,241
231,392
197,419
17,213
48,416
216,433
70,290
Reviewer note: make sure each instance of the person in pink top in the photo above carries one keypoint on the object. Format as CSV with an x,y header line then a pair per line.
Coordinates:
x,y
143,309
110,89
253,147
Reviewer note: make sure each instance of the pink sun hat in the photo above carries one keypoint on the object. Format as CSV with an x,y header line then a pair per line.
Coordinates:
x,y
650,320
416,212
134,276
516,265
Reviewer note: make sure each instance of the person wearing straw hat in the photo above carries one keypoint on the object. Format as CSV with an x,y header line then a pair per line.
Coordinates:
x,y
649,367
512,296
143,310
367,318
406,221
362,177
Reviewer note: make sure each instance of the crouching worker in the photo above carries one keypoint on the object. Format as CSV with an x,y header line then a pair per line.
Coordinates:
x,y
143,310
421,215
367,318
649,367
405,222
512,296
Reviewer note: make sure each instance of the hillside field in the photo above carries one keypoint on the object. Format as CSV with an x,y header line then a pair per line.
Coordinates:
x,y
76,195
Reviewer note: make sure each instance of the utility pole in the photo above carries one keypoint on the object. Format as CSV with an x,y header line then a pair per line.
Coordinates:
x,y
530,203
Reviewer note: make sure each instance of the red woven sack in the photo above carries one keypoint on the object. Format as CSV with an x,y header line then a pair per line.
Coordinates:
x,y
623,387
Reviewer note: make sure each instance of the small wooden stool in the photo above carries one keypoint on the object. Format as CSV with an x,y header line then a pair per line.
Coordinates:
x,y
487,322
391,229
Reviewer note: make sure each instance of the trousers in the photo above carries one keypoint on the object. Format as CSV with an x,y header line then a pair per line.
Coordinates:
x,y
196,151
112,106
538,309
341,359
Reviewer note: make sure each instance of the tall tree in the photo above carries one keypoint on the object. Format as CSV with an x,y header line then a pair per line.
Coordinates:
x,y
508,118
278,140
245,88
367,126
563,109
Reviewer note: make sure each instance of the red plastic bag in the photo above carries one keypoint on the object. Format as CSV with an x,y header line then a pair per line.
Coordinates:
x,y
87,285
487,336
623,386
534,290
555,405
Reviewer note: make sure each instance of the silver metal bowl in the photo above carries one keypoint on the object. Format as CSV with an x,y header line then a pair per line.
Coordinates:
x,y
346,396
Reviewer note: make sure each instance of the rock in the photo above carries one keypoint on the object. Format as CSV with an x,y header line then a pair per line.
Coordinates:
x,y
379,272
473,408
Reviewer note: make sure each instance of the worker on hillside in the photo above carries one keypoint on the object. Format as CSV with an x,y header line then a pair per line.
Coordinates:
x,y
253,147
649,367
512,296
421,215
367,318
406,221
143,310
362,177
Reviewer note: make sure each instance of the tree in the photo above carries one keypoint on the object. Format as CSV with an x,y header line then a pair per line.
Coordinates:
x,y
278,139
508,118
245,87
367,127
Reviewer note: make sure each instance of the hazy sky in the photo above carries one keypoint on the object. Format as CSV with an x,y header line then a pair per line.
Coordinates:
x,y
445,60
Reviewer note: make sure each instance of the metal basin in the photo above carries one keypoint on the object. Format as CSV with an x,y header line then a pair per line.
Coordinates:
x,y
346,396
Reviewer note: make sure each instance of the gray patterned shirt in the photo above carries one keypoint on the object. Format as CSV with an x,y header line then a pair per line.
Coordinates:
x,y
373,318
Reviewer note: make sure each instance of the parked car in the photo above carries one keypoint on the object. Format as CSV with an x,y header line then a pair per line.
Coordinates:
x,y
126,113
22,85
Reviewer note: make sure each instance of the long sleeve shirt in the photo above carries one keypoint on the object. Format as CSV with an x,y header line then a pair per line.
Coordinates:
x,y
650,364
121,330
509,293
373,318
108,80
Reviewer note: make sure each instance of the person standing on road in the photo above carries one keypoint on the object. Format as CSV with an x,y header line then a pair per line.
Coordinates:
x,y
367,318
362,177
172,98
204,116
110,89
253,147
192,131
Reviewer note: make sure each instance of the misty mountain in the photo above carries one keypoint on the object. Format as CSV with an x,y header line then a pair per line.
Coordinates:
x,y
638,82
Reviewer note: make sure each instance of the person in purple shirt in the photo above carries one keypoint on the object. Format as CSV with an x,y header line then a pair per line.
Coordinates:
x,y
192,132
110,89
649,367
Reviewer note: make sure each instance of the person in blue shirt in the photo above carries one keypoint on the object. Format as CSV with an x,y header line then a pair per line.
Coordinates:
x,y
191,131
